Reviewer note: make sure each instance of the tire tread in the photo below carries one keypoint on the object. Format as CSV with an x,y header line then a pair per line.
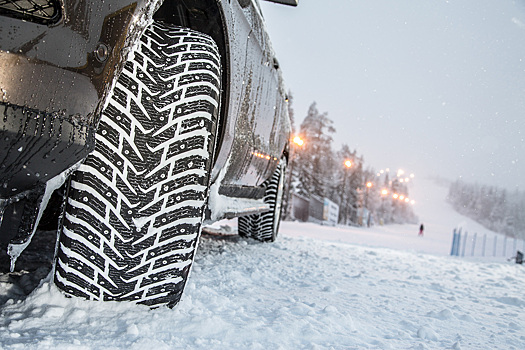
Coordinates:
x,y
135,207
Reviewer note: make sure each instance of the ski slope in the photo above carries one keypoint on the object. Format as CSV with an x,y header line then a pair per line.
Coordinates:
x,y
438,217
315,288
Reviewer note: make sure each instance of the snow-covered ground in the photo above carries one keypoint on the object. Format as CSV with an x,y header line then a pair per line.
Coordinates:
x,y
434,212
315,288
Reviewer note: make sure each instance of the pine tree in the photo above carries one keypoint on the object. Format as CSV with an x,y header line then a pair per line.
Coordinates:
x,y
316,159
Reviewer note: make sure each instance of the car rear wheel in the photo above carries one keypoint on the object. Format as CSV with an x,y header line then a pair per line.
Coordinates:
x,y
134,209
264,227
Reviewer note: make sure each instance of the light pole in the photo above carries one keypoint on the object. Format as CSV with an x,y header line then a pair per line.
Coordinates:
x,y
348,165
368,187
384,193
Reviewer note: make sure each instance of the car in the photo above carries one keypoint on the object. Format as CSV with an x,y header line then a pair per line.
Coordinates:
x,y
132,123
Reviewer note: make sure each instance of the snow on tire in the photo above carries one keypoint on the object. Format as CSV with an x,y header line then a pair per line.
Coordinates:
x,y
265,226
135,207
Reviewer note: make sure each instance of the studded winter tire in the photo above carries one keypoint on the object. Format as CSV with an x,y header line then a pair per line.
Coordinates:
x,y
265,226
135,207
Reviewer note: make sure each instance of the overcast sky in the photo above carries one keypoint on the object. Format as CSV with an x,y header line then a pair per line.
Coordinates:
x,y
430,86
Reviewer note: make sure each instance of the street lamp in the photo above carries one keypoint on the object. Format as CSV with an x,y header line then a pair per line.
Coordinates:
x,y
298,141
368,187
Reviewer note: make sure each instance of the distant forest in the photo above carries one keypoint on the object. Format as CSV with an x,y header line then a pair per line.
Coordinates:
x,y
496,209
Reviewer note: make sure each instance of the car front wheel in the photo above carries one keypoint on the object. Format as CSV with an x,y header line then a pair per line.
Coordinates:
x,y
134,209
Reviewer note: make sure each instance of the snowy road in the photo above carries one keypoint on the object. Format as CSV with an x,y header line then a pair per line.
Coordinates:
x,y
313,289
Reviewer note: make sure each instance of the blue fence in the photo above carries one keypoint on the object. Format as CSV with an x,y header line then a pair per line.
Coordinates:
x,y
465,244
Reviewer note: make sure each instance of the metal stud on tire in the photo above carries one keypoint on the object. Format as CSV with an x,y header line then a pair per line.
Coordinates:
x,y
135,207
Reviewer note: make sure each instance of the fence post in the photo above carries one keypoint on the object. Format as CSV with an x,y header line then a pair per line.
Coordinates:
x,y
453,250
484,244
474,243
464,244
458,245
505,246
459,242
495,245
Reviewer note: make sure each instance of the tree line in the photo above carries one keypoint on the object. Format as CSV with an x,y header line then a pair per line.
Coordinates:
x,y
363,195
494,208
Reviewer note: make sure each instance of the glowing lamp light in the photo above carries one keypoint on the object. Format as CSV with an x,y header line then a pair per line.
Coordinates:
x,y
384,192
348,163
395,196
298,141
368,184
263,156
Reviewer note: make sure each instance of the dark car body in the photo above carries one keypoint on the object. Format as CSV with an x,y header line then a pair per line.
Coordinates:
x,y
59,60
